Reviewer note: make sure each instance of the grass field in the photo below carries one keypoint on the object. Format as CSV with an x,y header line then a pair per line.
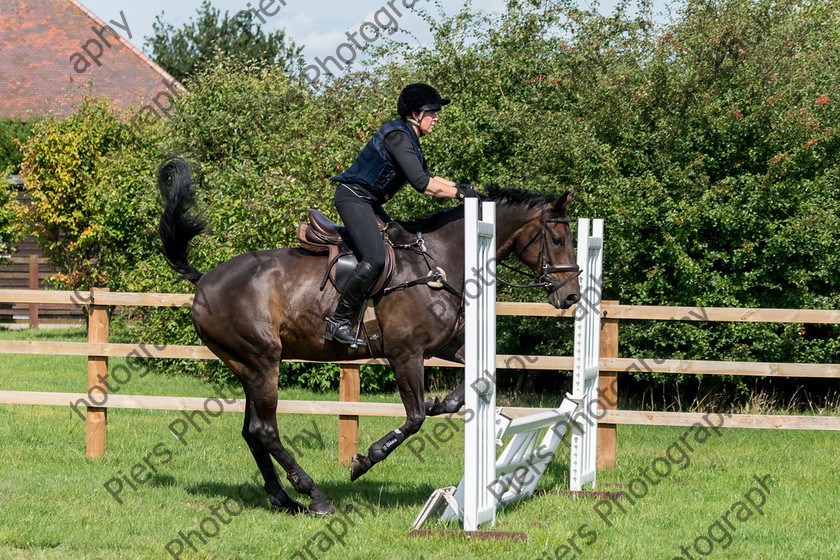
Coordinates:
x,y
56,504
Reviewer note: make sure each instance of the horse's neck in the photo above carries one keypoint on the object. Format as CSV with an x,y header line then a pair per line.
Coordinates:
x,y
509,222
446,243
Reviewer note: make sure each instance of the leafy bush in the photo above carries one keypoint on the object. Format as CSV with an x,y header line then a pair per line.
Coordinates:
x,y
706,144
13,133
12,227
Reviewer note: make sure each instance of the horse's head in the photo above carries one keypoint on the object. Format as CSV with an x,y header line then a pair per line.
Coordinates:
x,y
545,244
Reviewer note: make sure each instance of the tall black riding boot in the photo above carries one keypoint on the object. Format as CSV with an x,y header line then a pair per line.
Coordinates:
x,y
339,327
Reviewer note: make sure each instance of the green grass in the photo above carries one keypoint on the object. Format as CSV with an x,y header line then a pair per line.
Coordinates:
x,y
53,503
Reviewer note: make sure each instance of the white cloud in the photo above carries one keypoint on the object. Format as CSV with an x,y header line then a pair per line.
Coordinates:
x,y
322,42
489,5
300,22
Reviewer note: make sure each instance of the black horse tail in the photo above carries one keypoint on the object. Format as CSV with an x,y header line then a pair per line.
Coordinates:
x,y
177,228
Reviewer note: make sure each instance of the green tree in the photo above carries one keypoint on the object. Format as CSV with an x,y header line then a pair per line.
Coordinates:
x,y
13,133
182,52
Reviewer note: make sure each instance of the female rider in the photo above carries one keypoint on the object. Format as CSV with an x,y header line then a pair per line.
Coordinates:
x,y
391,158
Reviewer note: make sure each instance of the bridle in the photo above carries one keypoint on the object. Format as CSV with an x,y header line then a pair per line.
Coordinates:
x,y
541,279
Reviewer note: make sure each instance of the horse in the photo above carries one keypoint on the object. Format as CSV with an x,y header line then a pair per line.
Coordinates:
x,y
264,306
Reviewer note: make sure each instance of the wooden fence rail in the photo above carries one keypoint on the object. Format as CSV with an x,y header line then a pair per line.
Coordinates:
x,y
349,409
611,310
505,361
34,272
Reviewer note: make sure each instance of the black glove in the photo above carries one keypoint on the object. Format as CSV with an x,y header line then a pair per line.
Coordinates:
x,y
466,191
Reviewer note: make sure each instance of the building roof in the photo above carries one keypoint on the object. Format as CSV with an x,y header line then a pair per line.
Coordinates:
x,y
56,51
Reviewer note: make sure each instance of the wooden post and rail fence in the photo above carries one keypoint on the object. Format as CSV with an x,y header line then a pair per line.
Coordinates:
x,y
27,272
349,408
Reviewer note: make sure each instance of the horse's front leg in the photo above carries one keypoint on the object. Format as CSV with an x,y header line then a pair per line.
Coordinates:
x,y
454,352
409,375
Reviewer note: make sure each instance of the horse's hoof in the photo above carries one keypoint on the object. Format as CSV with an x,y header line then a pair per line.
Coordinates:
x,y
359,466
430,404
322,508
292,507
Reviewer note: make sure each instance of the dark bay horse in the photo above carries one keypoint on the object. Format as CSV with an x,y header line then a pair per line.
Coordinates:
x,y
260,307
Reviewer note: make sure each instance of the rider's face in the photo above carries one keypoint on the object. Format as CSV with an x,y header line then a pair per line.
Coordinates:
x,y
427,123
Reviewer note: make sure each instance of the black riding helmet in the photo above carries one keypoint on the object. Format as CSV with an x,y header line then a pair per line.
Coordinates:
x,y
419,97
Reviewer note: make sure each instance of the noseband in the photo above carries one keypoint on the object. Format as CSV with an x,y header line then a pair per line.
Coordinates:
x,y
541,279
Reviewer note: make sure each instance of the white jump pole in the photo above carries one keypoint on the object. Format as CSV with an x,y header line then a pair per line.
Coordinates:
x,y
480,362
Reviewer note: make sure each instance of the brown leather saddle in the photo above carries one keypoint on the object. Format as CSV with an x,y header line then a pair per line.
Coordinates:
x,y
322,235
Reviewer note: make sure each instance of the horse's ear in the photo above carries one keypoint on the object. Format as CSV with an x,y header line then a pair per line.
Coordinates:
x,y
564,200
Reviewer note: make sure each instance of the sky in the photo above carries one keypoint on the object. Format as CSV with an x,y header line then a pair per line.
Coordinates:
x,y
319,25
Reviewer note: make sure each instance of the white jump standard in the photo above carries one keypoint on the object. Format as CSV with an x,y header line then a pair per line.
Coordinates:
x,y
583,465
480,361
490,483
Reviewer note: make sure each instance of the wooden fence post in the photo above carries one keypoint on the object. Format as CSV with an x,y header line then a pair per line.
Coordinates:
x,y
608,391
33,285
349,390
97,416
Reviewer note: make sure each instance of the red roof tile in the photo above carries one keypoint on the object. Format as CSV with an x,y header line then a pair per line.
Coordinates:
x,y
43,65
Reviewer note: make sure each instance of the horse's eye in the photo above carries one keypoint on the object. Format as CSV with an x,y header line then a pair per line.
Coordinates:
x,y
558,240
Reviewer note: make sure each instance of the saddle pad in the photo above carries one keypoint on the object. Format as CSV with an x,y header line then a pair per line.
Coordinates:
x,y
341,260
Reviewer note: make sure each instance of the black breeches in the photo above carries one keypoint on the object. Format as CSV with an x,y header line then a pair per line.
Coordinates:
x,y
359,217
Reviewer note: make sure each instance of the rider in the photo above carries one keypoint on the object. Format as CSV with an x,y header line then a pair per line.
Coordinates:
x,y
391,158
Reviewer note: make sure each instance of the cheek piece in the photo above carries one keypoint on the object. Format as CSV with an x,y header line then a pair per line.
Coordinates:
x,y
416,122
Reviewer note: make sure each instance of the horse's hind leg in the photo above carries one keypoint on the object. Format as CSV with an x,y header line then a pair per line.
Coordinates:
x,y
454,352
261,388
450,404
273,487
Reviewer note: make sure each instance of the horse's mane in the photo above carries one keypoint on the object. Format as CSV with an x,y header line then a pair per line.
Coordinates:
x,y
503,197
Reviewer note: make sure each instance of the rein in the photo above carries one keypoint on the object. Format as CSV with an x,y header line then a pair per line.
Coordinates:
x,y
539,279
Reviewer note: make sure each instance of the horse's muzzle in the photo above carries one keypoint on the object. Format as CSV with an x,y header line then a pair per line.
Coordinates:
x,y
561,299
